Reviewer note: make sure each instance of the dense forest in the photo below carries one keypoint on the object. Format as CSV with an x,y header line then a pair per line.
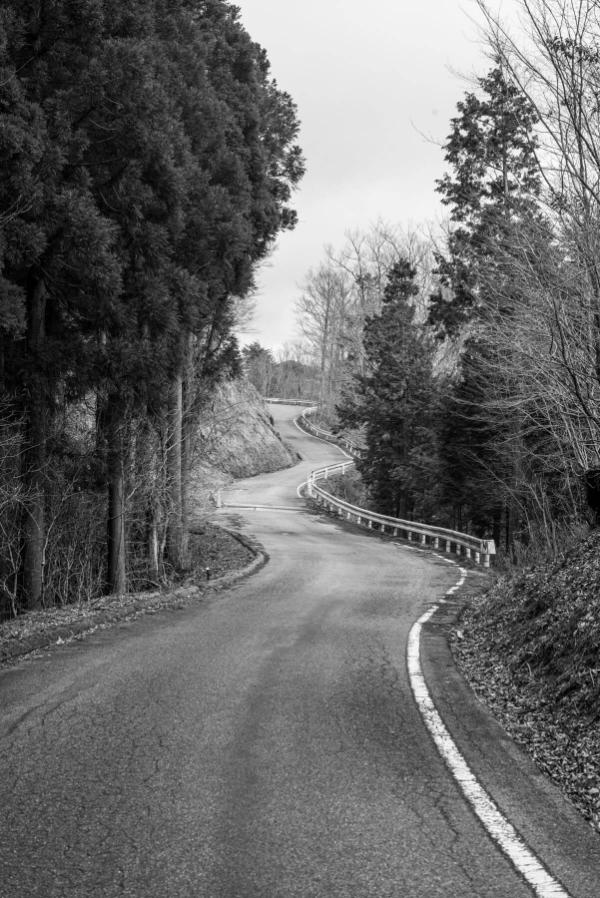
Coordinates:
x,y
470,360
148,161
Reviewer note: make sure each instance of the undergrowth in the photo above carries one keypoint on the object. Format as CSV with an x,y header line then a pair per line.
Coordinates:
x,y
530,648
349,487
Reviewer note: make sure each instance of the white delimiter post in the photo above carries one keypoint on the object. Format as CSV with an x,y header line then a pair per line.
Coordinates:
x,y
488,548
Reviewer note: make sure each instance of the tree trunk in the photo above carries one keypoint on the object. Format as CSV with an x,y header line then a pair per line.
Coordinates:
x,y
116,581
176,536
189,422
153,545
34,454
34,530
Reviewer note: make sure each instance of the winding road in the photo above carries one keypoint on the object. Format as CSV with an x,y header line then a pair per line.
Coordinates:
x,y
267,744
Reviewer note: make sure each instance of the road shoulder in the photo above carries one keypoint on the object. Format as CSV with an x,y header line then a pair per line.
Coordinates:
x,y
547,822
38,631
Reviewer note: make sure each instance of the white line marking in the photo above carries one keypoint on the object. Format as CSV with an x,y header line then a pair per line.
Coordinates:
x,y
499,828
258,507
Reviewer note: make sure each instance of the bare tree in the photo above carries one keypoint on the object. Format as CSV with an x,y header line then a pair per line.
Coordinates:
x,y
538,360
553,329
323,310
346,289
366,259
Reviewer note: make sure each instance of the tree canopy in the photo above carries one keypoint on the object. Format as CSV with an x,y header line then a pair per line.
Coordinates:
x,y
148,163
490,189
393,400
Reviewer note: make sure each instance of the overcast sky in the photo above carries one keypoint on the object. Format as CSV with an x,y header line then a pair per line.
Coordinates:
x,y
370,78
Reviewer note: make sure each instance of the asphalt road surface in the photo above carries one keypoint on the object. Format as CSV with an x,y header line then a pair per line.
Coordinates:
x,y
266,744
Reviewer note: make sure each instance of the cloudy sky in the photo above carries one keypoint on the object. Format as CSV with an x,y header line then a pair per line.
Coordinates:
x,y
376,83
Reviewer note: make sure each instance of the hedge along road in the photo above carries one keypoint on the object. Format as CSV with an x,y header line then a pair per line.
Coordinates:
x,y
267,743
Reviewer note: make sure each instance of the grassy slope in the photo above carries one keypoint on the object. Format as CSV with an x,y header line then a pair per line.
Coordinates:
x,y
530,648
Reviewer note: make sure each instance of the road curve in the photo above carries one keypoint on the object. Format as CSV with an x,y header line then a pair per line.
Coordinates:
x,y
267,744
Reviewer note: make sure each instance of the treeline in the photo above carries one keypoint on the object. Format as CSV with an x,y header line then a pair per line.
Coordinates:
x,y
289,376
477,380
340,294
148,159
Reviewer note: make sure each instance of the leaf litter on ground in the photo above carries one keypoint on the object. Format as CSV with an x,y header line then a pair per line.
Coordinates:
x,y
211,548
530,648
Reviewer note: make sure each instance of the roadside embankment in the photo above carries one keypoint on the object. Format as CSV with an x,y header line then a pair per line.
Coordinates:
x,y
227,557
235,439
529,647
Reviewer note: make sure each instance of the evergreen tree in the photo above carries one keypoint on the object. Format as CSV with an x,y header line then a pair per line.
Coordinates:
x,y
492,191
149,160
258,367
493,186
57,247
245,165
394,400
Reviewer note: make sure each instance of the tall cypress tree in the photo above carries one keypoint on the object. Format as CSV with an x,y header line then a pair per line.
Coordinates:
x,y
492,191
493,185
149,161
244,165
395,402
57,248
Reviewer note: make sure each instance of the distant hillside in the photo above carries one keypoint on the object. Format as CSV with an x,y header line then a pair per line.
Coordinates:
x,y
236,439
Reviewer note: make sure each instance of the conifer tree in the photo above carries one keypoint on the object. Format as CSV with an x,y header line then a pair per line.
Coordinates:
x,y
149,160
394,400
492,191
493,185
57,247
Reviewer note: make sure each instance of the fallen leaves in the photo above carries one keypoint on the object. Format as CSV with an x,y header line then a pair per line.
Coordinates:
x,y
530,647
211,547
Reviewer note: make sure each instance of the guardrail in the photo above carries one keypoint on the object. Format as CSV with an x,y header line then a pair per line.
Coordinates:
x,y
451,541
479,550
351,448
303,402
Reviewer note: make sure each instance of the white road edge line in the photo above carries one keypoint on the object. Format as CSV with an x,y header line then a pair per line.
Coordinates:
x,y
498,827
501,831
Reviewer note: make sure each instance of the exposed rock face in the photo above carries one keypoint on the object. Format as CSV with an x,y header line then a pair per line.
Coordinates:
x,y
235,439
